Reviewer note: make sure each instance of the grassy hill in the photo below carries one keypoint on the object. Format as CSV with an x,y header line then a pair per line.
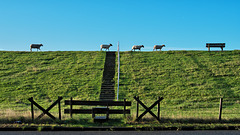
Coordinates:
x,y
180,74
191,82
188,80
46,75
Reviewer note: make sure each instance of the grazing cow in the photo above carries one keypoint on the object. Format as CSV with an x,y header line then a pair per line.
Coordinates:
x,y
138,47
158,47
37,46
105,47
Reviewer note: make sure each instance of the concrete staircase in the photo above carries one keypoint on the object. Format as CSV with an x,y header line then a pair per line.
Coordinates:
x,y
107,88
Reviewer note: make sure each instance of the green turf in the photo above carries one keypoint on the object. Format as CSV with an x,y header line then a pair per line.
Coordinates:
x,y
180,74
46,75
191,82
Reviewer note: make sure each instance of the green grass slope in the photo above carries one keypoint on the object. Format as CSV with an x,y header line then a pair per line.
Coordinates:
x,y
186,79
46,75
180,74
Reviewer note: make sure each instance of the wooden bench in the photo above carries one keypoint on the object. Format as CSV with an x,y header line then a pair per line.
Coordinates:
x,y
221,45
97,110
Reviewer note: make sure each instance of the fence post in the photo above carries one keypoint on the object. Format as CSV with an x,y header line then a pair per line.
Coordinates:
x,y
124,109
158,109
137,107
32,109
220,109
71,107
59,107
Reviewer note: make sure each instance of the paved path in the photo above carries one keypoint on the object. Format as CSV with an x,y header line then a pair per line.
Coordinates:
x,y
212,132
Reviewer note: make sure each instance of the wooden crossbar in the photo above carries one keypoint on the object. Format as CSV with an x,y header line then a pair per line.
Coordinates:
x,y
89,111
45,111
148,109
95,103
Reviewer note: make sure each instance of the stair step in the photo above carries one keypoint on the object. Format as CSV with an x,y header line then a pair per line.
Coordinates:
x,y
107,96
107,93
107,99
107,88
112,91
108,83
108,79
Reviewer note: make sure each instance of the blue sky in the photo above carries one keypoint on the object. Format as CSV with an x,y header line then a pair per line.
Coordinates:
x,y
83,25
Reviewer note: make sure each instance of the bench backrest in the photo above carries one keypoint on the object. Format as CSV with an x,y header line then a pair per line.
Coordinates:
x,y
96,103
215,44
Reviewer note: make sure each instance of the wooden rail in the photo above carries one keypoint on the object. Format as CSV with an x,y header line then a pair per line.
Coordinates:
x,y
96,109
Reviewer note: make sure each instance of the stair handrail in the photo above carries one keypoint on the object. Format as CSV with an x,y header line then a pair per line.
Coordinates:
x,y
118,71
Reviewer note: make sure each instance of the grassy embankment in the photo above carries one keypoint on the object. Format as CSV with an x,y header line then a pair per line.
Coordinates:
x,y
47,75
191,82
